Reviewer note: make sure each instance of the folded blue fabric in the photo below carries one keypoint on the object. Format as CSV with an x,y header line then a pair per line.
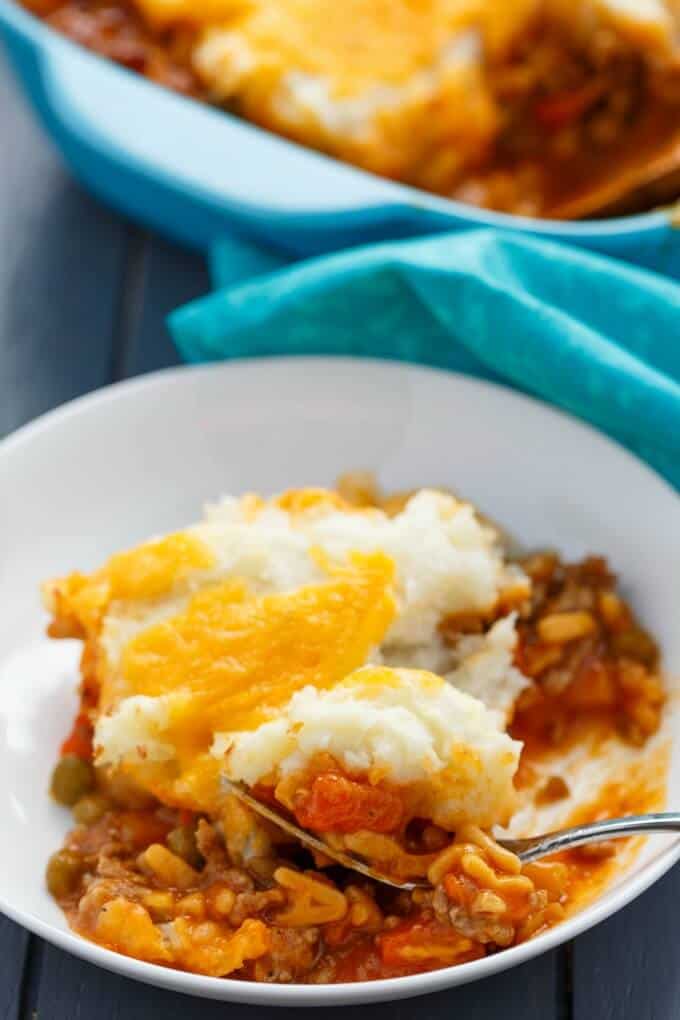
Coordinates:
x,y
590,334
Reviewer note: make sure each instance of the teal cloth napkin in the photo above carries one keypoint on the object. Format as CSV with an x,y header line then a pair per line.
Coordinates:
x,y
590,334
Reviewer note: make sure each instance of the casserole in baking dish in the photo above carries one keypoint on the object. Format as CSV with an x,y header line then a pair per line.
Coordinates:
x,y
529,108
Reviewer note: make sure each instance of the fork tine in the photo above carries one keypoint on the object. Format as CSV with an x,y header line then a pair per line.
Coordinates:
x,y
307,839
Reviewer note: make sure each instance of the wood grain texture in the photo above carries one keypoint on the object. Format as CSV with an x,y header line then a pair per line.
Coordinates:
x,y
61,258
13,945
627,967
171,277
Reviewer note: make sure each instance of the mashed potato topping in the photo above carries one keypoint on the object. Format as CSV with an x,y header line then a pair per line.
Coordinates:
x,y
262,614
486,669
479,664
401,726
446,562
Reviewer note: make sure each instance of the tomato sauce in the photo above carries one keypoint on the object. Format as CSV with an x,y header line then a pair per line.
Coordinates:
x,y
336,803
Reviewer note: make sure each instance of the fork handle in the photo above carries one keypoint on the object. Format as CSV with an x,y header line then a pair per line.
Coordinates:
x,y
594,832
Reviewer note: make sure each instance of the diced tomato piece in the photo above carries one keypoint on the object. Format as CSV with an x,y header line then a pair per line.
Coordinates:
x,y
79,741
455,890
265,794
563,108
338,804
422,943
142,828
593,686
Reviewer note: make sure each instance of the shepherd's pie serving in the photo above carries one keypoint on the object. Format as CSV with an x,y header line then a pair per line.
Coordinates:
x,y
379,672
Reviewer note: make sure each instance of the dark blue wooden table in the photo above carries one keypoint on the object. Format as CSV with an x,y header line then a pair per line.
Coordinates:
x,y
83,297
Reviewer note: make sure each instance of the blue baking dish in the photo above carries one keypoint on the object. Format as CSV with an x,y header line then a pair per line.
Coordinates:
x,y
194,172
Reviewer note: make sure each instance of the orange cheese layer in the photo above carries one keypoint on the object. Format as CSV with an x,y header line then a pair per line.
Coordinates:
x,y
239,656
230,658
146,572
358,41
153,569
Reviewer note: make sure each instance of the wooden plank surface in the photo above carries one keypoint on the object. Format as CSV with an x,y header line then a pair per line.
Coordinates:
x,y
627,967
60,258
172,277
13,957
83,298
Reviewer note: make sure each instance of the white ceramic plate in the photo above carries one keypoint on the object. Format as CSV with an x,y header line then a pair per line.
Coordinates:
x,y
141,457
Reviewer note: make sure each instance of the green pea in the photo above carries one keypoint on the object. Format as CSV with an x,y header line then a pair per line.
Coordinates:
x,y
90,808
182,841
637,644
72,778
64,871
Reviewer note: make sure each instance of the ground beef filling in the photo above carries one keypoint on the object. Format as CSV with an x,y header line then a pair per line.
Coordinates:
x,y
116,31
569,108
587,655
163,888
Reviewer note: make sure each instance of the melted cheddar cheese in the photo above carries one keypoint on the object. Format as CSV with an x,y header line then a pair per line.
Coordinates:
x,y
238,657
146,572
359,40
231,658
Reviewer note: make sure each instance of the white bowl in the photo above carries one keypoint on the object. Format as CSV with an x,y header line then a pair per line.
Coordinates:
x,y
142,456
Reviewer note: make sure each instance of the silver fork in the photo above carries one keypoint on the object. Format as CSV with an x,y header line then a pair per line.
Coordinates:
x,y
529,849
535,847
